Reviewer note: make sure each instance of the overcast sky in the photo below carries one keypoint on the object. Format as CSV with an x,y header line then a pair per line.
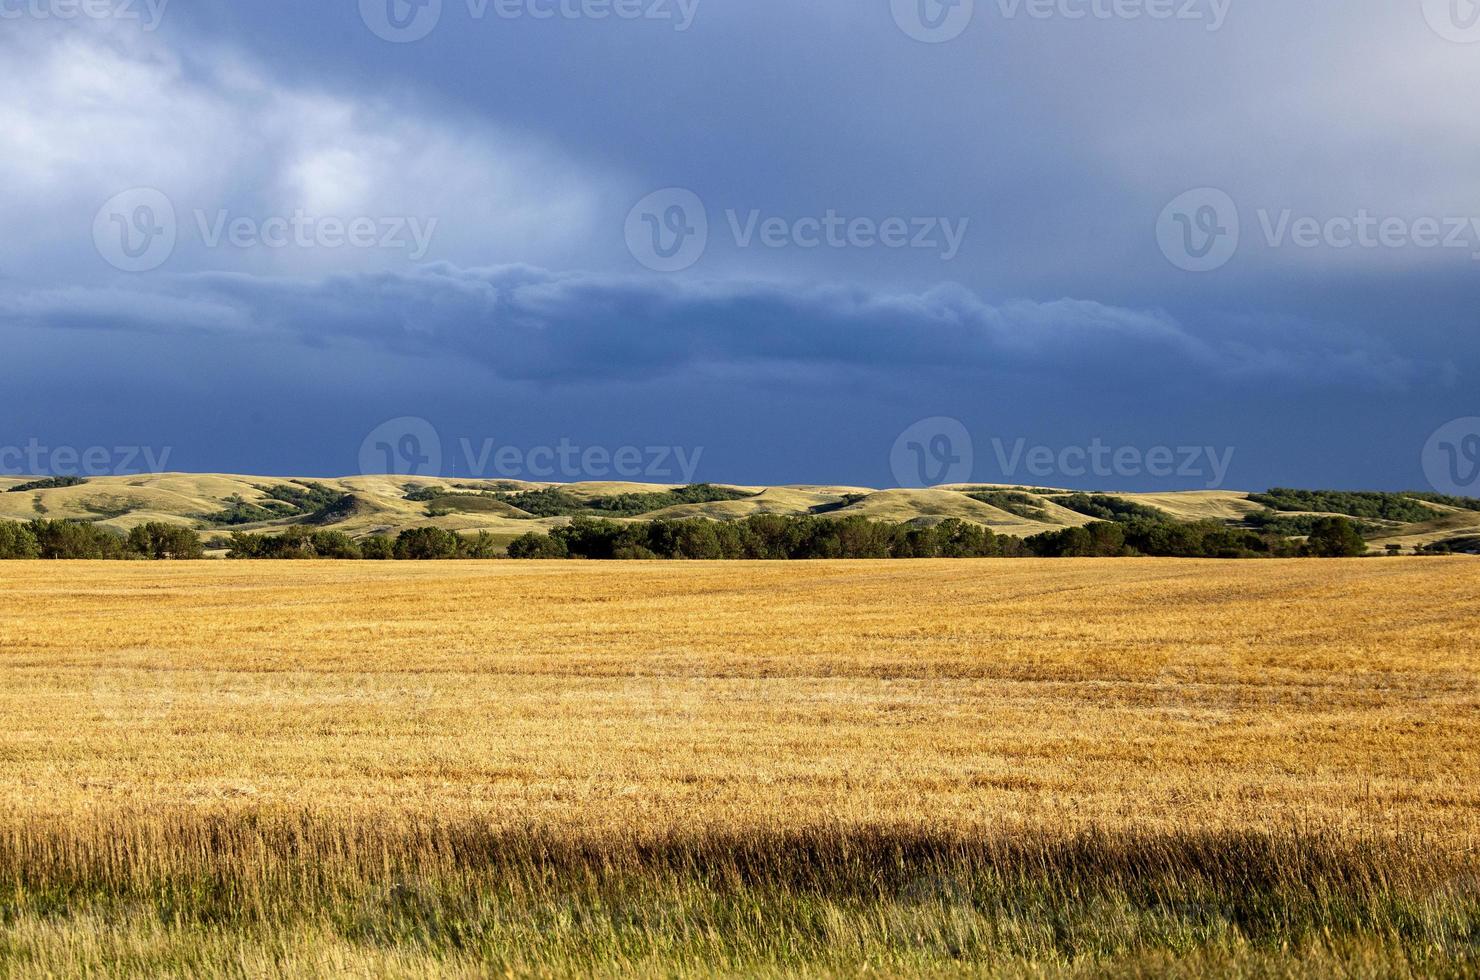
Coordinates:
x,y
825,241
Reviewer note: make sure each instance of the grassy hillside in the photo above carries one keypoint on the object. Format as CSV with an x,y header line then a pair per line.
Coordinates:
x,y
368,505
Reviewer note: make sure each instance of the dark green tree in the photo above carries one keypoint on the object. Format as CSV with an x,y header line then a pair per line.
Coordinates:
x,y
1335,537
536,545
481,546
17,541
378,548
426,544
76,540
161,542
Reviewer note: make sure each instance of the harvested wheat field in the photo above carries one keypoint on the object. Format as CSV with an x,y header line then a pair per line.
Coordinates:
x,y
1015,767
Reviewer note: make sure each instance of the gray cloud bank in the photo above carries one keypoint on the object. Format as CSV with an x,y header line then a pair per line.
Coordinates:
x,y
528,324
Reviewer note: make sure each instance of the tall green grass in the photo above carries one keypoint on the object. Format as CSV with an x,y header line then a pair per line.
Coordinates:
x,y
250,894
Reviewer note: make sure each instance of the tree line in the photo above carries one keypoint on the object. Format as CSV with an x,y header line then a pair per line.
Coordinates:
x,y
80,540
776,537
416,544
761,537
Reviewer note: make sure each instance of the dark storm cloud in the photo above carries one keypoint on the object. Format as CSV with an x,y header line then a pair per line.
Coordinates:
x,y
528,324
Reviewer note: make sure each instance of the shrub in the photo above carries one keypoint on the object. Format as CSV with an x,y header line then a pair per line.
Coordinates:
x,y
1376,506
764,537
1463,545
333,544
17,541
588,538
1464,503
1296,525
1335,537
426,544
959,539
75,540
634,504
537,546
165,542
1015,502
378,548
50,483
1103,507
1099,540
282,500
482,546
548,502
239,511
293,543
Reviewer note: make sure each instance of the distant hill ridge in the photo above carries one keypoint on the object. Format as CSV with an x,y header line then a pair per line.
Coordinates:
x,y
368,505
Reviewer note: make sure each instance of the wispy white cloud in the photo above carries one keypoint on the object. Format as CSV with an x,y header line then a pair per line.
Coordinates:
x,y
101,110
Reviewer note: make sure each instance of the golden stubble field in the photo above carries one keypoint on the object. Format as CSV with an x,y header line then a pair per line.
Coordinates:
x,y
996,768
967,695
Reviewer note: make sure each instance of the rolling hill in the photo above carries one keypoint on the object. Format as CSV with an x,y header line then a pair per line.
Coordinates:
x,y
216,504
